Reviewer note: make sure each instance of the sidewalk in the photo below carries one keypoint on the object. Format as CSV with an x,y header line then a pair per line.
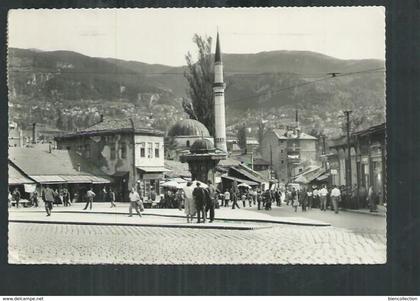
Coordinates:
x,y
102,213
381,211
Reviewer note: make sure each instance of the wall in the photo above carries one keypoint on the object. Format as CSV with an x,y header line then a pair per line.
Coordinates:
x,y
278,154
146,161
101,153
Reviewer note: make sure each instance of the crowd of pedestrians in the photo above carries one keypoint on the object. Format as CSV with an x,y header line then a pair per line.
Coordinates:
x,y
202,201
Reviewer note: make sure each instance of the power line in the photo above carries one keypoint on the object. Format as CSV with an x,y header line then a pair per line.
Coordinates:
x,y
310,82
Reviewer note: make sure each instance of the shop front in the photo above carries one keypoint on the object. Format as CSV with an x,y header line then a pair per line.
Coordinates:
x,y
148,179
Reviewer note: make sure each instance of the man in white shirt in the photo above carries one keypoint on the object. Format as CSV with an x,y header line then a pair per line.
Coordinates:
x,y
227,198
134,201
335,197
323,192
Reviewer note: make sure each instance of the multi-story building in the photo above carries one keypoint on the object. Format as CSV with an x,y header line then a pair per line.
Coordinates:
x,y
126,150
367,162
289,152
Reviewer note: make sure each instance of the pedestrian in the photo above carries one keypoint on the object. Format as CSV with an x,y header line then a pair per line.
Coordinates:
x,y
35,199
227,198
104,195
10,197
309,197
234,197
371,197
243,198
89,198
48,196
199,199
303,198
111,197
277,195
259,199
179,198
135,202
295,198
335,198
267,199
152,195
250,198
189,208
66,197
16,196
210,200
289,197
315,197
323,192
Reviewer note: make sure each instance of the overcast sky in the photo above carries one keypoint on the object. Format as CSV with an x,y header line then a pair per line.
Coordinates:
x,y
163,36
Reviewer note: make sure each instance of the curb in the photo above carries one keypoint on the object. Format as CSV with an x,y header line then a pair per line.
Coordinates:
x,y
364,212
220,219
193,226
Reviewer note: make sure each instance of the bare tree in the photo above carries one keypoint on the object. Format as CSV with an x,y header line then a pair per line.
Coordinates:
x,y
200,76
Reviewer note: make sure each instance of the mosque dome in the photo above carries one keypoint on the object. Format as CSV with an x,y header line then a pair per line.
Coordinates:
x,y
188,127
202,146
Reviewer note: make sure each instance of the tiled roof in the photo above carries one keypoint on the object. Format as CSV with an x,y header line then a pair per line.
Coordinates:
x,y
17,177
38,162
117,125
281,134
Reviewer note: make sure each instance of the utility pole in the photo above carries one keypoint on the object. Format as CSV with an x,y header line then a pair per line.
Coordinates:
x,y
348,165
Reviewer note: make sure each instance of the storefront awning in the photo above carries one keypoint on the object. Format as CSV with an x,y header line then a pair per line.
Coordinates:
x,y
49,179
85,179
153,169
79,179
251,183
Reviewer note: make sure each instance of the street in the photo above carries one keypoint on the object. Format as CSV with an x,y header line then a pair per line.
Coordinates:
x,y
34,241
364,223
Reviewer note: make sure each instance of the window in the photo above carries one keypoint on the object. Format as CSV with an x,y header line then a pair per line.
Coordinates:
x,y
149,150
282,161
157,150
123,150
187,143
112,152
142,150
281,151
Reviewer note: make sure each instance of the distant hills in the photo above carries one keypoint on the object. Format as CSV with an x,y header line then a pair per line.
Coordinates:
x,y
262,82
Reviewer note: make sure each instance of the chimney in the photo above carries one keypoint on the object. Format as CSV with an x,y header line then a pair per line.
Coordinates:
x,y
33,133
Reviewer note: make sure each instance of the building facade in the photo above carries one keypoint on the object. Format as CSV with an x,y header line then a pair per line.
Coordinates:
x,y
289,152
131,153
367,159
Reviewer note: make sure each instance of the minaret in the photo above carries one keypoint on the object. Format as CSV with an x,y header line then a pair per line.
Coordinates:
x,y
219,100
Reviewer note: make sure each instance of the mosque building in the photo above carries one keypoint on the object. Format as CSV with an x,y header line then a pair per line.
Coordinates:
x,y
185,132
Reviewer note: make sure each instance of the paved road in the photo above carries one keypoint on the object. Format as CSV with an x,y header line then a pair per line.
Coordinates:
x,y
356,222
282,244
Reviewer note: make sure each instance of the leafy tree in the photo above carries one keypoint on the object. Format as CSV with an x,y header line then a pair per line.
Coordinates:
x,y
200,76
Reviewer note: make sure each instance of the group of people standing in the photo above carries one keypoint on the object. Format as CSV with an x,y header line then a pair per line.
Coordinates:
x,y
309,197
201,201
251,197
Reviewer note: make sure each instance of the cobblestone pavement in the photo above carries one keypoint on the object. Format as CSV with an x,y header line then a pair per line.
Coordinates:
x,y
31,243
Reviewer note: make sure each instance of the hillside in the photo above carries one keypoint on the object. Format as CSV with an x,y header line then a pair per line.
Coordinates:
x,y
269,83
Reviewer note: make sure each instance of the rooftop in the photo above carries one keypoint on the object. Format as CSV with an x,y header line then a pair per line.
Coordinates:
x,y
188,128
129,125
